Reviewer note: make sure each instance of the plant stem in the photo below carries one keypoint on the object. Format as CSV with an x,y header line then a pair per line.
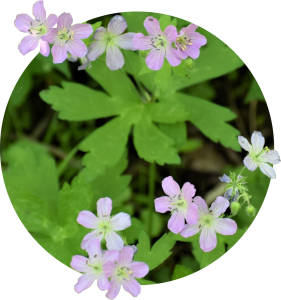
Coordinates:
x,y
241,171
151,193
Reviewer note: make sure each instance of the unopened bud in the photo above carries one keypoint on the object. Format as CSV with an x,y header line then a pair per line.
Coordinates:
x,y
234,207
250,210
189,63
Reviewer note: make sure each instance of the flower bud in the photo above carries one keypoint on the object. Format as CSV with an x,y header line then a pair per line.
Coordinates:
x,y
234,207
250,210
189,63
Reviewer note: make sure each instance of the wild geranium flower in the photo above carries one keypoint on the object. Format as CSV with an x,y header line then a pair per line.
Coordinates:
x,y
103,226
209,222
179,202
159,42
38,28
258,155
189,42
67,38
93,267
110,39
123,272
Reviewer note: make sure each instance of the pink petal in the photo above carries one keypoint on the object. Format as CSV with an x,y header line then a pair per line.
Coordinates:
x,y
208,239
65,20
117,25
271,157
188,191
79,263
249,163
104,207
109,268
23,22
190,28
182,54
113,241
176,222
120,221
99,33
103,283
219,206
139,269
88,219
162,204
114,58
225,226
114,289
192,214
59,53
125,41
110,255
94,249
202,206
141,42
76,48
172,56
82,31
267,170
44,48
51,21
90,236
257,140
152,26
192,52
244,143
170,187
155,58
84,282
190,230
132,287
28,44
39,11
126,256
51,36
96,49
197,39
171,33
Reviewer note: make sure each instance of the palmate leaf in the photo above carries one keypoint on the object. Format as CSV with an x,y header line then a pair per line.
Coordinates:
x,y
180,272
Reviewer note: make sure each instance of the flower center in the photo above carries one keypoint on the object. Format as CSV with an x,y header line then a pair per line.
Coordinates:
x,y
123,273
105,227
255,156
38,28
97,267
183,41
158,42
109,39
207,220
178,203
65,35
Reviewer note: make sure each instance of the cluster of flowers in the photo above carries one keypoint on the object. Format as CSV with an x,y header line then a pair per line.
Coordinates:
x,y
115,263
67,38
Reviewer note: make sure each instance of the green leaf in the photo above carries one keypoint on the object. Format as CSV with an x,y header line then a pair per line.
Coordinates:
x,y
254,93
180,272
157,222
132,233
164,21
76,102
163,76
231,240
159,252
191,145
209,257
145,281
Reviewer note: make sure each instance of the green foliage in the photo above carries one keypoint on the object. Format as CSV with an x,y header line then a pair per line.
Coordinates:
x,y
180,272
254,93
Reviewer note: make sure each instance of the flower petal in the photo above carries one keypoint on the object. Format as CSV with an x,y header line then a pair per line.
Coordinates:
x,y
192,52
110,255
267,170
109,268
155,58
23,22
208,239
76,48
84,282
125,41
170,187
126,256
39,11
44,48
162,204
94,249
90,236
51,21
249,163
244,143
28,44
114,289
117,25
190,230
82,31
99,33
219,206
140,269
104,207
197,39
51,37
192,214
152,26
225,226
88,219
258,141
188,191
113,241
79,263
120,221
132,287
176,222
114,58
271,157
65,20
59,53
202,206
228,193
190,28
172,56
96,49
171,33
141,42
225,178
103,283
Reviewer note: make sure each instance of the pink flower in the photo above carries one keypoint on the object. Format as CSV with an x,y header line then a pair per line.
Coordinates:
x,y
38,28
110,40
209,223
103,226
189,42
67,38
93,267
123,272
160,43
179,203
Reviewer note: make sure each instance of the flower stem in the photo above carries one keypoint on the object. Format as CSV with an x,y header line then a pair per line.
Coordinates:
x,y
151,193
241,171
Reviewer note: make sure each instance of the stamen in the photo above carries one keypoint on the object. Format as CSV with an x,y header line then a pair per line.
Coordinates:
x,y
41,24
190,44
31,23
37,20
